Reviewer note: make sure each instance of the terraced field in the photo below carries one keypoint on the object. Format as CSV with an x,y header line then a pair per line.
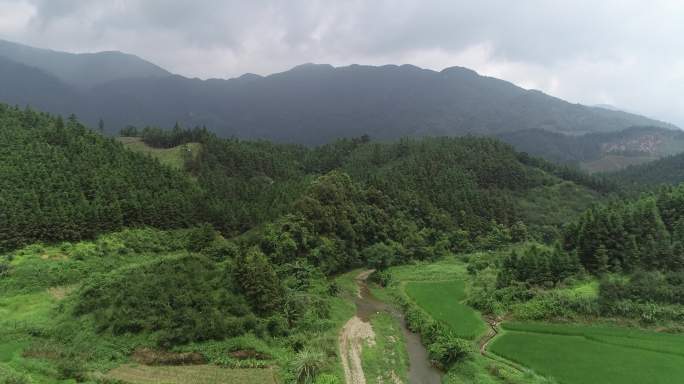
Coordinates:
x,y
577,354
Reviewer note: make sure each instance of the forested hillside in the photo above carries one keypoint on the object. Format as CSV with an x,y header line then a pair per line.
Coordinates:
x,y
60,181
599,152
252,267
668,170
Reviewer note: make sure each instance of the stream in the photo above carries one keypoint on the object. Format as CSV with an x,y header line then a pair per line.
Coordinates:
x,y
420,369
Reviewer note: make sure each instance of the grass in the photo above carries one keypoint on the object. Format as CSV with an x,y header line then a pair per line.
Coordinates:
x,y
452,272
38,332
172,157
442,301
387,358
189,374
575,354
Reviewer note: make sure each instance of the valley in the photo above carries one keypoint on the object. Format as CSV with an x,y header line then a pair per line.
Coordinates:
x,y
335,224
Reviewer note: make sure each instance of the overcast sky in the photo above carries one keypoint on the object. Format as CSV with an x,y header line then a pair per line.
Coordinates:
x,y
620,52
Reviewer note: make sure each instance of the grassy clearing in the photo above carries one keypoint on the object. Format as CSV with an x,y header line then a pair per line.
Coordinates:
x,y
192,374
448,268
442,301
172,157
387,359
582,354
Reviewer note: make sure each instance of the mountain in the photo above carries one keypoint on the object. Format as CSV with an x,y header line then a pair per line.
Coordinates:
x,y
599,152
83,70
309,104
314,104
24,85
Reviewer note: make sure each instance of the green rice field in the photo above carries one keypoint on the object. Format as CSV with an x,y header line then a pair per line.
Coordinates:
x,y
442,301
578,354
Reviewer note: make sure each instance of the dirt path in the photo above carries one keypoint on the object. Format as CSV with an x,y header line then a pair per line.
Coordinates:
x,y
354,335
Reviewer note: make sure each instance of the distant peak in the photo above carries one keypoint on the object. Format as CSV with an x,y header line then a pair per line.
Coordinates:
x,y
249,76
459,71
312,66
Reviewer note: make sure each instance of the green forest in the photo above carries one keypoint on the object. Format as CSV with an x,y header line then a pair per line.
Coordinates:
x,y
243,262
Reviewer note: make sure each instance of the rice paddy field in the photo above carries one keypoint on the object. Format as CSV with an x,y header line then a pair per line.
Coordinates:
x,y
578,354
442,301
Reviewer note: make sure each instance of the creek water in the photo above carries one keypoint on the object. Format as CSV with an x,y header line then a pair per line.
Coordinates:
x,y
421,370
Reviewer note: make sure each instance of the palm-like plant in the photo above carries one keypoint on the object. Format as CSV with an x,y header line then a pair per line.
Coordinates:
x,y
307,364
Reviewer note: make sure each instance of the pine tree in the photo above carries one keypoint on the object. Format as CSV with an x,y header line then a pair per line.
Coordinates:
x,y
258,281
601,260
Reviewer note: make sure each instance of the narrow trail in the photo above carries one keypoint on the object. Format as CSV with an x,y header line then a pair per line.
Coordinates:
x,y
358,333
491,334
489,337
355,333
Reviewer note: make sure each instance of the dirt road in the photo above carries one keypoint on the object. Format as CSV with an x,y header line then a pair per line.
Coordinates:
x,y
355,334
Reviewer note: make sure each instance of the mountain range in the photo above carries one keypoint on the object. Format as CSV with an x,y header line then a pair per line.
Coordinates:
x,y
309,104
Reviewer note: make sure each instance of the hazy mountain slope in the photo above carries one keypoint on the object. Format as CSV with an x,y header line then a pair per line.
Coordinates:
x,y
82,70
309,104
313,104
599,152
23,85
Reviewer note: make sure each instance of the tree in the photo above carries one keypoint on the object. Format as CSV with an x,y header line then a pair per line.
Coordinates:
x,y
258,281
379,256
601,260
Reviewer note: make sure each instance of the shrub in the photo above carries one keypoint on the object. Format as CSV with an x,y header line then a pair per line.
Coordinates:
x,y
449,349
174,296
382,278
307,364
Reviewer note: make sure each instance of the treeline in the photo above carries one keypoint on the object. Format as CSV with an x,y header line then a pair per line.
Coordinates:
x,y
647,233
65,182
161,138
60,181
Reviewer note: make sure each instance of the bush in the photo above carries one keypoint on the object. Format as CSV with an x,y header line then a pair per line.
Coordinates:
x,y
71,367
382,278
174,296
307,364
7,377
449,349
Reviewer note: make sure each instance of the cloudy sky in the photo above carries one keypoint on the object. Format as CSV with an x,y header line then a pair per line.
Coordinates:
x,y
620,52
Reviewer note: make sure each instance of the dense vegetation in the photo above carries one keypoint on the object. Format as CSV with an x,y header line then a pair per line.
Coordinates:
x,y
633,142
61,181
668,170
238,257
